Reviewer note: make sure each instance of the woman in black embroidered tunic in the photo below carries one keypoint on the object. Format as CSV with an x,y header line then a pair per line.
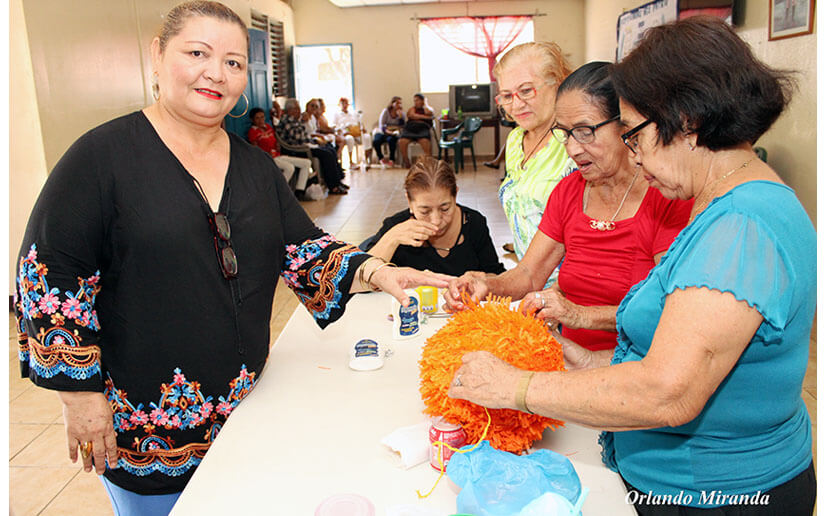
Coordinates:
x,y
149,264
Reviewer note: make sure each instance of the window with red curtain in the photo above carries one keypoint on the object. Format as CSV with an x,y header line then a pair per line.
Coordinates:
x,y
479,36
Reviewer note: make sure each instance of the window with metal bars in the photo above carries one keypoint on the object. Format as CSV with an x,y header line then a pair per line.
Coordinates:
x,y
277,52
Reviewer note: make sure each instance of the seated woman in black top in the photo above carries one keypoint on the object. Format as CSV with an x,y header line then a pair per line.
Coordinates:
x,y
435,233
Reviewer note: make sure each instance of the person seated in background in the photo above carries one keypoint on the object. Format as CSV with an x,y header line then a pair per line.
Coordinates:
x,y
275,113
327,130
348,125
310,120
604,219
417,129
435,233
389,127
262,135
292,132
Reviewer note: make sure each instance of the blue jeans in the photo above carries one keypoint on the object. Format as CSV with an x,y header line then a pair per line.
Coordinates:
x,y
379,139
127,503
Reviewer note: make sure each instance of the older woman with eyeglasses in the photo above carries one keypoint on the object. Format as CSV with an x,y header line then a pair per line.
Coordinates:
x,y
603,220
702,395
147,272
528,76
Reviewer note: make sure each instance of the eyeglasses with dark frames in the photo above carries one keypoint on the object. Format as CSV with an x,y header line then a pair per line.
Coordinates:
x,y
221,233
581,133
631,138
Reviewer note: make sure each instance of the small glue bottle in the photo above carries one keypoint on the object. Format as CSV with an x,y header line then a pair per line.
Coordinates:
x,y
406,321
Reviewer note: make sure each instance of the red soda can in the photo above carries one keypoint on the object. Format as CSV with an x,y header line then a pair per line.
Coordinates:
x,y
447,433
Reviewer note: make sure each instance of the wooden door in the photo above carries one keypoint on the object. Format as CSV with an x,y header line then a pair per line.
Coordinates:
x,y
258,87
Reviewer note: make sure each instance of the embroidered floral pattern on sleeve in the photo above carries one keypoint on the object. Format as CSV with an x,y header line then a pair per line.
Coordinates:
x,y
181,406
315,280
55,348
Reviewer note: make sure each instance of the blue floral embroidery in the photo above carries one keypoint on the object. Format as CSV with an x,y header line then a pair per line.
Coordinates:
x,y
182,405
319,291
56,349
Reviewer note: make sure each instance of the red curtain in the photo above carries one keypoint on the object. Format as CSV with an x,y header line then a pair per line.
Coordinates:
x,y
484,36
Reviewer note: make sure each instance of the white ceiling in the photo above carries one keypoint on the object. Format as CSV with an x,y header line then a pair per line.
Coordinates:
x,y
365,3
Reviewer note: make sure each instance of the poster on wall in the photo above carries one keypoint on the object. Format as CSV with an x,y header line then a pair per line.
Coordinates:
x,y
790,18
632,23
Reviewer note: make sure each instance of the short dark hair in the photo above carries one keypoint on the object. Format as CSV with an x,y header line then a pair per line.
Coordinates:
x,y
696,75
254,111
594,80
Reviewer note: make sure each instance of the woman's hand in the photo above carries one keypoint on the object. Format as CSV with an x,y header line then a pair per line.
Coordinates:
x,y
486,380
474,283
393,281
551,306
88,418
575,356
412,232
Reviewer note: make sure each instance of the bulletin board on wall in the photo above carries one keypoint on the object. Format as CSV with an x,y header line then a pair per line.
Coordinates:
x,y
633,22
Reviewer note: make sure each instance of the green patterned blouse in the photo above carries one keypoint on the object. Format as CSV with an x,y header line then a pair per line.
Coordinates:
x,y
525,190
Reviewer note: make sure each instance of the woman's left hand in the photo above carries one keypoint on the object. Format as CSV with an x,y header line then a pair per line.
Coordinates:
x,y
553,307
486,380
393,281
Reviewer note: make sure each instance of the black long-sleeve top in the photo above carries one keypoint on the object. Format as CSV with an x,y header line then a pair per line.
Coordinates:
x,y
120,291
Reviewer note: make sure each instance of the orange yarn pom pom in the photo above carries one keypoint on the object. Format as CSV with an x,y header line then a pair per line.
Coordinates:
x,y
518,339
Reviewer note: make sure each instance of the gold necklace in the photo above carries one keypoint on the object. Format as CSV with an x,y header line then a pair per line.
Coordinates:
x,y
608,225
711,189
536,146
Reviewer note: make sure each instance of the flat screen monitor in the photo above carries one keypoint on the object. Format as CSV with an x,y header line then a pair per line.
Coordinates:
x,y
473,99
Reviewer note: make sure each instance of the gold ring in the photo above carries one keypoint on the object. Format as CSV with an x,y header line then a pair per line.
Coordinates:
x,y
86,449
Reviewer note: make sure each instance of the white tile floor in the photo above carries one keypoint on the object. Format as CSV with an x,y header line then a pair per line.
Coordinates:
x,y
43,481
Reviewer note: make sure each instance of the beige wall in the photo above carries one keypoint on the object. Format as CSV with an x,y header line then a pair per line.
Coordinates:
x,y
791,142
27,162
385,49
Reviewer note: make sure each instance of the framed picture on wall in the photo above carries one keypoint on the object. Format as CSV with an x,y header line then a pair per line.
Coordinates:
x,y
789,18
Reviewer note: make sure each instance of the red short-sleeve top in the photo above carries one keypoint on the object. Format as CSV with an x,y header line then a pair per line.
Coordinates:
x,y
599,267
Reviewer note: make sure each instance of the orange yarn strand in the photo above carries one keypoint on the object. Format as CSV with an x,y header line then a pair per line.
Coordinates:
x,y
443,445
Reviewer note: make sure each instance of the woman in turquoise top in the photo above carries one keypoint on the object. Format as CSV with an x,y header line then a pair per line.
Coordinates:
x,y
528,76
703,394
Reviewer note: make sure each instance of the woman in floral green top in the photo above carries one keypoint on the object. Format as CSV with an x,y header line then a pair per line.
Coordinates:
x,y
528,76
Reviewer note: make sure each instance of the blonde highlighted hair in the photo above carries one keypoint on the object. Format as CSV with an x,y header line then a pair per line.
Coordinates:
x,y
551,64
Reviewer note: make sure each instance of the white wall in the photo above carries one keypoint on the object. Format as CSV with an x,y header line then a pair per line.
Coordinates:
x,y
791,142
385,48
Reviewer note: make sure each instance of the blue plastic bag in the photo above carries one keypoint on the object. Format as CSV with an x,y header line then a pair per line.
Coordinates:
x,y
498,483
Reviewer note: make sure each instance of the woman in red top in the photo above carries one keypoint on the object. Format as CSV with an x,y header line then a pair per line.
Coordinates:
x,y
262,135
603,220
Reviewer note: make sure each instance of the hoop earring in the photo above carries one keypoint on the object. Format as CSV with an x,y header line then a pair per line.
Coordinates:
x,y
245,110
155,87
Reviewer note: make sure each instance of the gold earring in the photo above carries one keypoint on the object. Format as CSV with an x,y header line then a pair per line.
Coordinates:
x,y
244,111
155,87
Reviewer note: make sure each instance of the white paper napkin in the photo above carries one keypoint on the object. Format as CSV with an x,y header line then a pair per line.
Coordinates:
x,y
411,442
